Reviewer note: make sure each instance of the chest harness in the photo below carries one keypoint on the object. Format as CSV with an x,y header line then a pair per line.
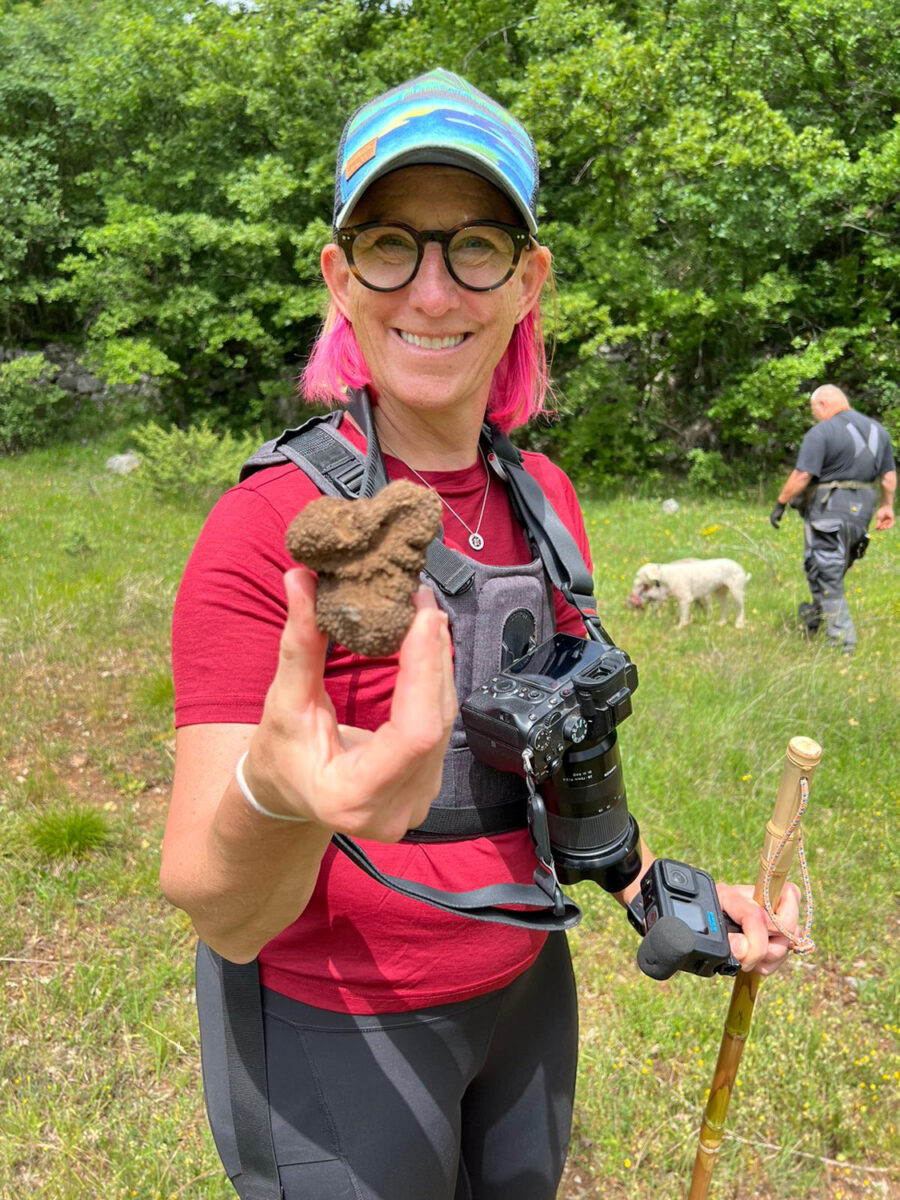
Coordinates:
x,y
496,615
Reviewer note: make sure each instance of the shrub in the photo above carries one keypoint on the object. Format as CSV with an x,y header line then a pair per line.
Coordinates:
x,y
29,402
708,471
193,465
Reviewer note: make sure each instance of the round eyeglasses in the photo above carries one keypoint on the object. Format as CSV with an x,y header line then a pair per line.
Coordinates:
x,y
480,255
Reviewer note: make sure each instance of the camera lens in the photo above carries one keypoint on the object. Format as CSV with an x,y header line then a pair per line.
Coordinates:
x,y
679,877
592,834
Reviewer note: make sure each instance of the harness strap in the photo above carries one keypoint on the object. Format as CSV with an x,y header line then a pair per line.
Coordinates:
x,y
449,570
444,824
855,485
245,1054
558,549
863,446
327,458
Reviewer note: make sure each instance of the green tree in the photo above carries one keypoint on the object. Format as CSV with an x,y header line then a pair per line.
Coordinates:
x,y
719,192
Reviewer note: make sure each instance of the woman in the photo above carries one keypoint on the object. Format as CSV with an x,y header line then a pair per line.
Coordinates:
x,y
409,1054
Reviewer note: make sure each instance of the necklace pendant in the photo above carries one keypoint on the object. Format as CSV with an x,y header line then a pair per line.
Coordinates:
x,y
476,541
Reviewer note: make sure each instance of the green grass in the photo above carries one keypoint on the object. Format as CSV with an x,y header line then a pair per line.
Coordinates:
x,y
72,831
99,1065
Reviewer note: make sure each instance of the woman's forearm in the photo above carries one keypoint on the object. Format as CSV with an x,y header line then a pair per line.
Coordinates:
x,y
247,879
240,876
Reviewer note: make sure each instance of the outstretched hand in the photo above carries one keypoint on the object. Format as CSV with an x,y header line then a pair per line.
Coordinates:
x,y
372,784
759,947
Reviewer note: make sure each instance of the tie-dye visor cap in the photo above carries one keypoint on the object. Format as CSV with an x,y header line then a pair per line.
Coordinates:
x,y
436,118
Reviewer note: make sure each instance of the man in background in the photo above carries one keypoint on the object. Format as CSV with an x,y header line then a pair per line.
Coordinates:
x,y
844,468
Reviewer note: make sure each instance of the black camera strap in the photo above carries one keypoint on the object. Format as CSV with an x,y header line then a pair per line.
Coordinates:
x,y
557,548
543,904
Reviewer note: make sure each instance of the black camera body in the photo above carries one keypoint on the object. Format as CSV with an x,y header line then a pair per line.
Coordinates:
x,y
675,890
551,716
565,692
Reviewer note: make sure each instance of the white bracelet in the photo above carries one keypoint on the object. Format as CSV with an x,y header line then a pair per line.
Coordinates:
x,y
252,800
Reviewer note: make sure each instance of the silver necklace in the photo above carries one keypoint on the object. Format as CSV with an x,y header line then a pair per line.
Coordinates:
x,y
476,541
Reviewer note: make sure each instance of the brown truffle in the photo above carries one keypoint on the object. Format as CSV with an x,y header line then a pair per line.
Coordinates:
x,y
368,555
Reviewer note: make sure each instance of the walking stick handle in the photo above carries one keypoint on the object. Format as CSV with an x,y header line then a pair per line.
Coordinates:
x,y
800,761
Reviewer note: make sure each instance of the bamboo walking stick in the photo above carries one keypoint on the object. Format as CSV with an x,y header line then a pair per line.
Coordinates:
x,y
801,759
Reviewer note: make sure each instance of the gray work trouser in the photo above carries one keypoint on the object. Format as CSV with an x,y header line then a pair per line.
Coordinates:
x,y
834,536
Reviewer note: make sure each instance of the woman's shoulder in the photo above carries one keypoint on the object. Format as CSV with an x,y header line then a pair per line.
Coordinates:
x,y
551,477
560,491
283,489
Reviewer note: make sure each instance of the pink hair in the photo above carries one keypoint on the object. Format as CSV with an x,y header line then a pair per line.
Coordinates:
x,y
519,389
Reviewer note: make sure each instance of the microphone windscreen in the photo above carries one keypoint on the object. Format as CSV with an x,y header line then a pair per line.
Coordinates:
x,y
665,947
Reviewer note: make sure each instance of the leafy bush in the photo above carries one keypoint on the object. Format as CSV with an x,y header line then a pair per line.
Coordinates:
x,y
708,471
723,225
193,465
29,402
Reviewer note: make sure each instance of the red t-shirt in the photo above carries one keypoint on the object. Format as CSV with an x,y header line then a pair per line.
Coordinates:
x,y
357,947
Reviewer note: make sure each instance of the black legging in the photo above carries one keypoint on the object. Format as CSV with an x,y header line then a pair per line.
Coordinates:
x,y
469,1101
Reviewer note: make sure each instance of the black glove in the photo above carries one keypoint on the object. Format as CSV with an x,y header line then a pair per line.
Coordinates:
x,y
776,514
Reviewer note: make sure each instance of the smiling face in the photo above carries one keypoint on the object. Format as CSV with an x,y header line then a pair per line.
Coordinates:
x,y
432,346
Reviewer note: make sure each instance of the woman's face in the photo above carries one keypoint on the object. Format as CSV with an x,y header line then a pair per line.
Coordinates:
x,y
433,344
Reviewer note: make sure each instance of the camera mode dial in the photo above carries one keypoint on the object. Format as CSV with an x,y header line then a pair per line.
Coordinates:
x,y
575,728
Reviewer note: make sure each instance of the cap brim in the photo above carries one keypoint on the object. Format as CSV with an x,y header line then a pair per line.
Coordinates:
x,y
447,156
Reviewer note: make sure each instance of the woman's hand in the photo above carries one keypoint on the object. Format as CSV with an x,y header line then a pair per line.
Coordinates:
x,y
366,784
760,947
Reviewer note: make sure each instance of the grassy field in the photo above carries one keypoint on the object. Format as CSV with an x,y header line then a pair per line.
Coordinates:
x,y
99,1064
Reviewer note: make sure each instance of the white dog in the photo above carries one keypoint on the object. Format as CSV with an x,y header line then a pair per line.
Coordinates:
x,y
690,579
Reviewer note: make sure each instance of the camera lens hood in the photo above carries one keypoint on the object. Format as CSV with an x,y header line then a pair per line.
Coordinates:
x,y
611,867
